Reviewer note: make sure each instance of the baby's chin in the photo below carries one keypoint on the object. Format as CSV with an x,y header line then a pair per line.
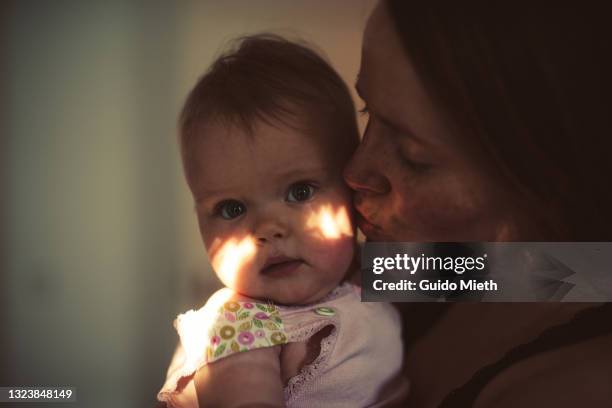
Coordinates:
x,y
290,295
303,299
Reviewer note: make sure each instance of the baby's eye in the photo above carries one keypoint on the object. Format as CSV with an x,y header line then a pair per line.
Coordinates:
x,y
230,209
300,192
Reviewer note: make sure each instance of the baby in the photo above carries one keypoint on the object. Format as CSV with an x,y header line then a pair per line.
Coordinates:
x,y
264,137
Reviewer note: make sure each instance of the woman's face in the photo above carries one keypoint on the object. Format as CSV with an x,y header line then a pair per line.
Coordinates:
x,y
413,180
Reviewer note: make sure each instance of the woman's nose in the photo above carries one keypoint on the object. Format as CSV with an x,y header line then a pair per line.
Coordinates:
x,y
364,172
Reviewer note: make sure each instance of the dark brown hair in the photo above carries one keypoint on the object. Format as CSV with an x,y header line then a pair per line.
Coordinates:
x,y
268,78
529,84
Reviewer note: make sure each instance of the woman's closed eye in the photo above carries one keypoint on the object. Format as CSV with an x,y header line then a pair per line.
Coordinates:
x,y
300,192
364,111
230,209
414,165
404,140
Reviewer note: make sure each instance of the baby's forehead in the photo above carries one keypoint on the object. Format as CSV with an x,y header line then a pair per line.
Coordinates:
x,y
273,139
224,151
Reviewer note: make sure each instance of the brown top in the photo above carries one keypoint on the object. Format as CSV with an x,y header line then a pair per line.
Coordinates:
x,y
448,344
587,324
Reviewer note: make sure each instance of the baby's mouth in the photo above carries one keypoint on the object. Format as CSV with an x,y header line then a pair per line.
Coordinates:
x,y
280,265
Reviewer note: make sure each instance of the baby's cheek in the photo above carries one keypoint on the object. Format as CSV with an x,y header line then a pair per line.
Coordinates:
x,y
333,256
233,256
246,280
214,235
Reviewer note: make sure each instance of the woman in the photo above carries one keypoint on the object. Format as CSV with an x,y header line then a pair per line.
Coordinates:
x,y
490,122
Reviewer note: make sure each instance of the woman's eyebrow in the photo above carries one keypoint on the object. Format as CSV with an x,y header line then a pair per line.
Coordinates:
x,y
402,130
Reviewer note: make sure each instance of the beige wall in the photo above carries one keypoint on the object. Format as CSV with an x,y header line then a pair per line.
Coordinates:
x,y
102,243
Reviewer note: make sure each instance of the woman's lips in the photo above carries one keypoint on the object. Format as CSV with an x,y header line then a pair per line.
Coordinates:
x,y
280,265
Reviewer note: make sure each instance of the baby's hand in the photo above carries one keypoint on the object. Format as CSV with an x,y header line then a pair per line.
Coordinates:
x,y
247,379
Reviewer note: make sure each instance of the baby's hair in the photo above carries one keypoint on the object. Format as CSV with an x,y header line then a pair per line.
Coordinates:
x,y
267,78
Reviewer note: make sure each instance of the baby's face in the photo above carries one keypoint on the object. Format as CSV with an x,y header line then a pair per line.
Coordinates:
x,y
257,200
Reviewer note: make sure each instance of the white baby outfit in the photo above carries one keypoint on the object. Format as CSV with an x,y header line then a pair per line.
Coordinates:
x,y
362,354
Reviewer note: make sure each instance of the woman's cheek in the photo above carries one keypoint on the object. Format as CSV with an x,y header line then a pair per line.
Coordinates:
x,y
438,209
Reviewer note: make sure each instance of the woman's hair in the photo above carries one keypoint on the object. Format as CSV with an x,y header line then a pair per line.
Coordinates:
x,y
529,85
267,78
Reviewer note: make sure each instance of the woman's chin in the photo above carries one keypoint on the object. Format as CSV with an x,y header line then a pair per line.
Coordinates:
x,y
376,235
373,233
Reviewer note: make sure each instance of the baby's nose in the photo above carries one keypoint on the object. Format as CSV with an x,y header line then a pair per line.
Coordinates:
x,y
270,231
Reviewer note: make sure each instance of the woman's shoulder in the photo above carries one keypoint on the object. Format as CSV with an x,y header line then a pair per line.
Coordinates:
x,y
564,377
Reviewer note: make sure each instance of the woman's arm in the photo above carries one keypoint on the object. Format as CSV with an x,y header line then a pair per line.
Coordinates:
x,y
248,379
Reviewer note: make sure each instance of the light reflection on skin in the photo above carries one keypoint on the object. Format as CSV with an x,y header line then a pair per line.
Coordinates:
x,y
193,328
330,225
231,256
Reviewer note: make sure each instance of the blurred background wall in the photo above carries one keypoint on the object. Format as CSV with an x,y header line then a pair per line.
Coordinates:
x,y
100,247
